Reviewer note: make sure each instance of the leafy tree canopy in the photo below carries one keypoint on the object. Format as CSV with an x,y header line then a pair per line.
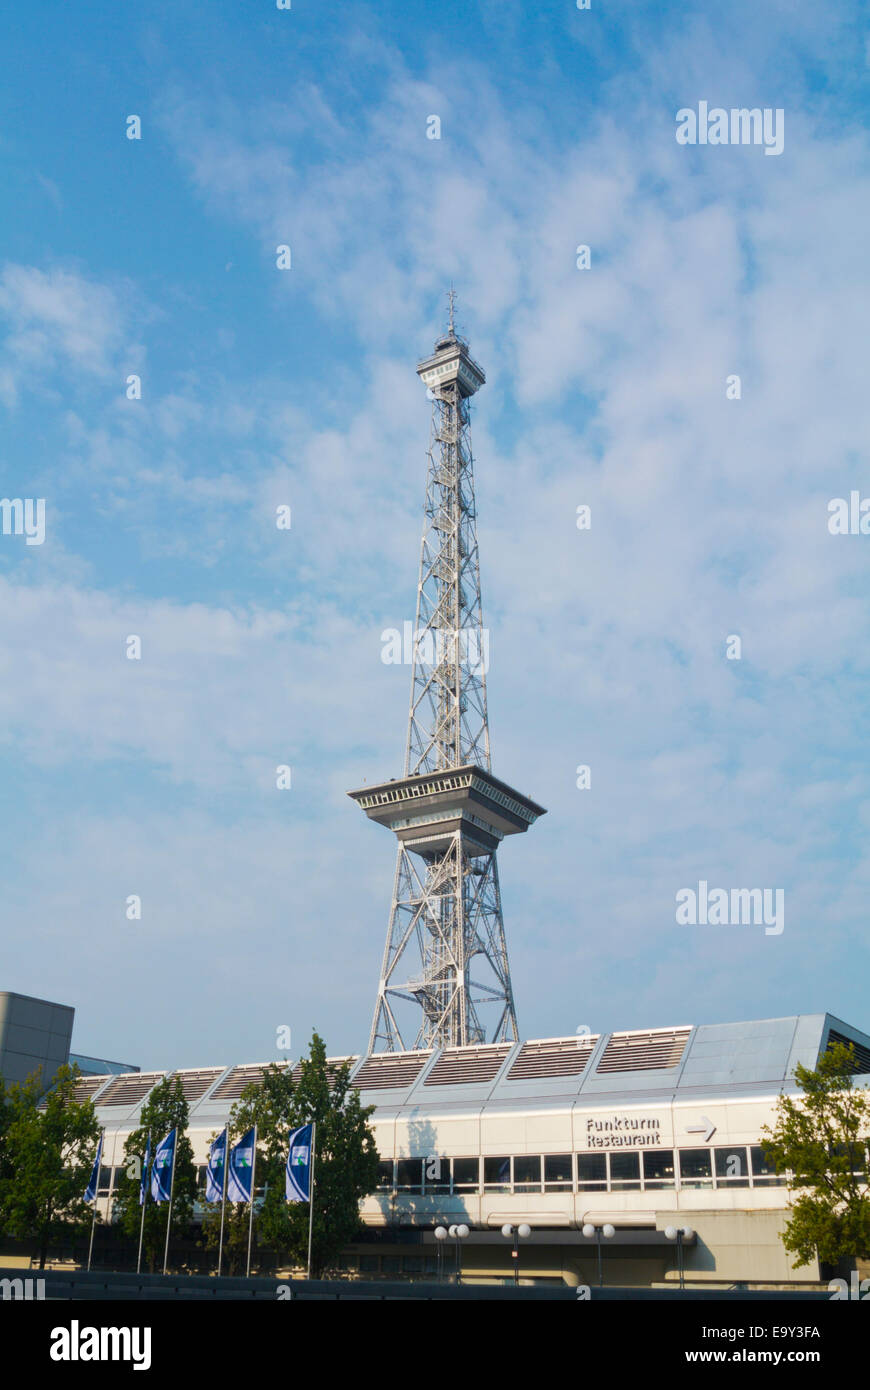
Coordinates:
x,y
46,1155
821,1139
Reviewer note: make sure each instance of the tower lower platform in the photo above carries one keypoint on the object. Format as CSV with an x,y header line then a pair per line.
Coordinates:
x,y
427,811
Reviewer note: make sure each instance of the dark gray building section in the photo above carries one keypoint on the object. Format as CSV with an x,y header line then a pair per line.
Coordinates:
x,y
33,1033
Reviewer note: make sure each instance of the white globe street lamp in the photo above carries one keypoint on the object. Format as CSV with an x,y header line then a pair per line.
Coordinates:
x,y
455,1233
516,1234
607,1231
440,1236
679,1234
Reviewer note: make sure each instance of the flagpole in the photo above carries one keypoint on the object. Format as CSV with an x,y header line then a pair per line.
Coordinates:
x,y
93,1224
96,1193
251,1220
144,1205
171,1191
311,1199
224,1199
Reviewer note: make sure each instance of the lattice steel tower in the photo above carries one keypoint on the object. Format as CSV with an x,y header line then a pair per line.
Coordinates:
x,y
445,948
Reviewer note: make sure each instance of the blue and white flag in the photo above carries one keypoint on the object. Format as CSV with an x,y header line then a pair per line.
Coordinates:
x,y
162,1168
91,1189
240,1181
143,1180
214,1173
299,1157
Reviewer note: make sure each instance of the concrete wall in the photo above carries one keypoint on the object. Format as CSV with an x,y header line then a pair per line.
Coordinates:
x,y
740,1246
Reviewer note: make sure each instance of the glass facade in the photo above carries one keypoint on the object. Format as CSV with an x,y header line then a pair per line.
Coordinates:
x,y
466,1174
558,1174
696,1169
527,1173
591,1172
409,1175
658,1168
762,1170
625,1171
732,1166
497,1175
628,1170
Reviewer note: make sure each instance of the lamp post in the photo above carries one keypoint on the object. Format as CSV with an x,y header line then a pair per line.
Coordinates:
x,y
458,1233
679,1234
607,1231
440,1236
521,1232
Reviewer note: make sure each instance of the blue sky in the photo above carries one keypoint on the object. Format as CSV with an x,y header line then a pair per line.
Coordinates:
x,y
307,127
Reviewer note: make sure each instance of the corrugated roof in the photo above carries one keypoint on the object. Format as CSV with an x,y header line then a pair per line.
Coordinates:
x,y
644,1051
387,1070
552,1057
194,1084
235,1081
460,1066
129,1089
88,1086
716,1060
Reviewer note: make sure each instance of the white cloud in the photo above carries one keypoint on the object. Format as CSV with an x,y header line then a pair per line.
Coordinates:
x,y
56,320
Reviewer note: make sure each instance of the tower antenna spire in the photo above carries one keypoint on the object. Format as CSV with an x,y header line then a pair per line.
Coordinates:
x,y
445,979
451,300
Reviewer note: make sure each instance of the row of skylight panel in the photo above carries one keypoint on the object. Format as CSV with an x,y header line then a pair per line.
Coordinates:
x,y
454,1066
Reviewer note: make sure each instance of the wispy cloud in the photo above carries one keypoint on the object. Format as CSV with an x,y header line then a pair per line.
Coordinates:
x,y
55,320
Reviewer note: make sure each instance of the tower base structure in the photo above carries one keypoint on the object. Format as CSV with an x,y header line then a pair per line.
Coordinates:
x,y
446,912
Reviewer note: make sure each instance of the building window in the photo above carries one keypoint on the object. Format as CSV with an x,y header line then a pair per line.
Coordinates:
x,y
390,1264
558,1175
527,1173
368,1264
436,1174
466,1174
104,1182
856,1155
385,1176
658,1168
591,1172
409,1175
497,1174
625,1171
762,1171
732,1166
695,1168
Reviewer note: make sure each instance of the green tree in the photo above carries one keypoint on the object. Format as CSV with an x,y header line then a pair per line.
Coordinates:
x,y
5,1117
346,1162
49,1152
165,1109
821,1138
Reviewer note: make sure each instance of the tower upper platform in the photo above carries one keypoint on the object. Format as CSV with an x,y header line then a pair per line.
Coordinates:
x,y
451,362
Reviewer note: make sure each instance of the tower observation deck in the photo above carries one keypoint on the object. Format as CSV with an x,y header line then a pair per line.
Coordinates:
x,y
445,953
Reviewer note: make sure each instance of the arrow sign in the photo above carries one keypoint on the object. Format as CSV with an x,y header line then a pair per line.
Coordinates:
x,y
699,1129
